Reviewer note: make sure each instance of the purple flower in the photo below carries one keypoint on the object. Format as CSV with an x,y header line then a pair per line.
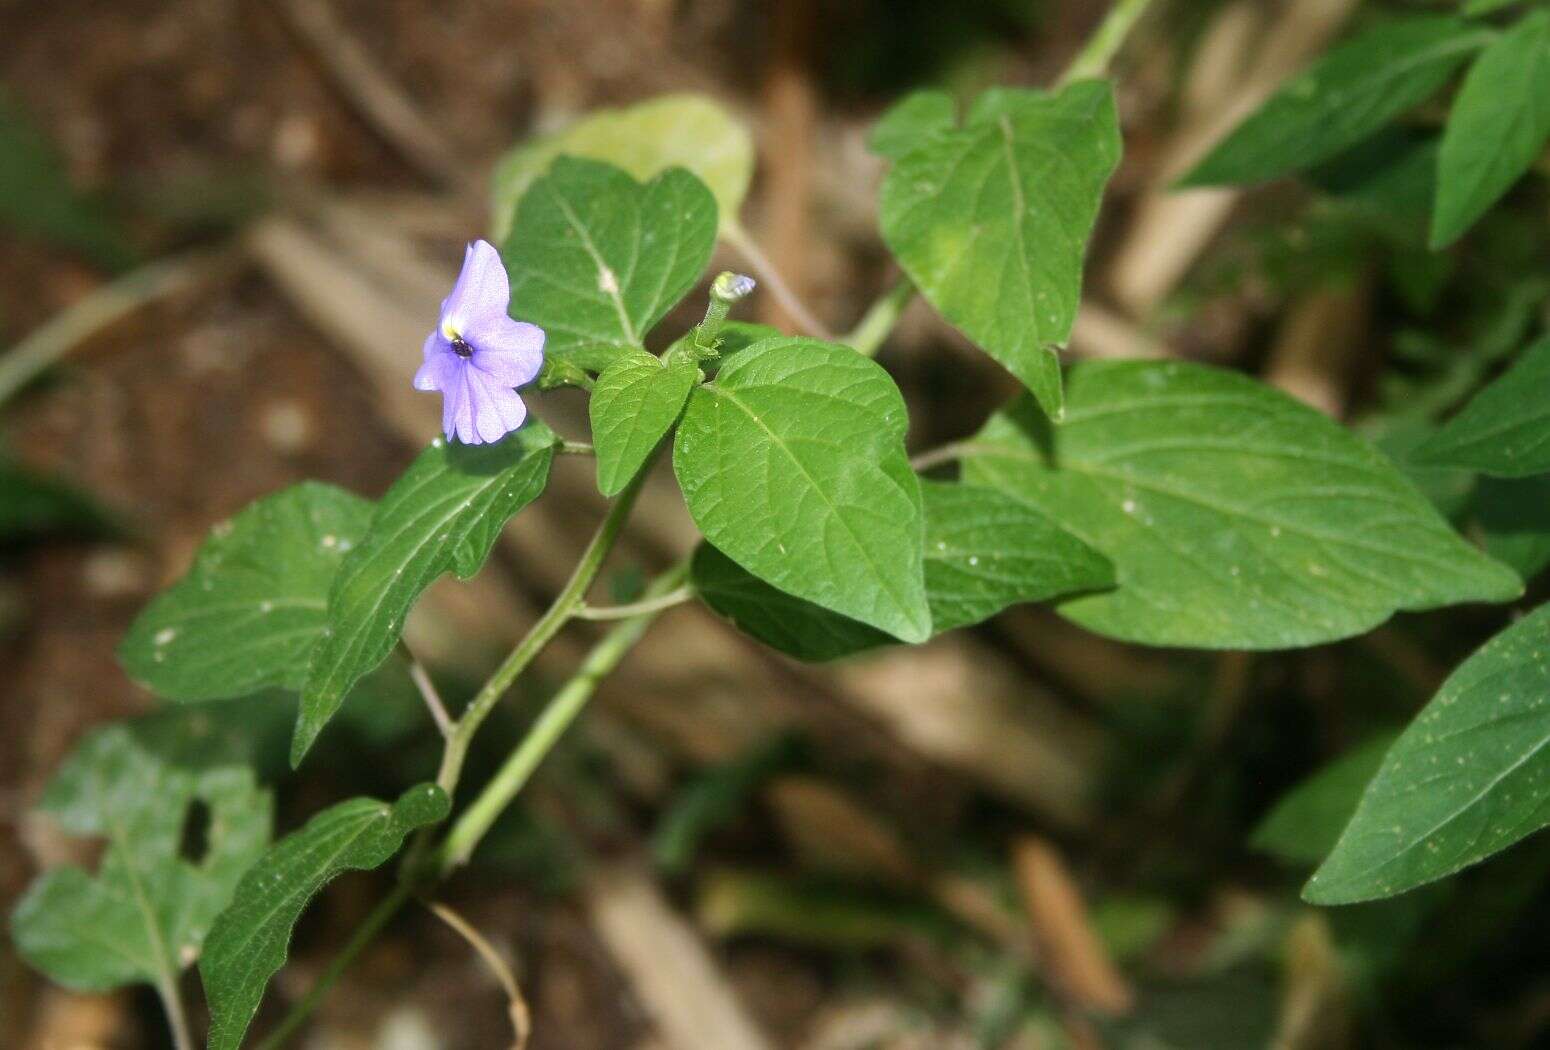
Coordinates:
x,y
477,353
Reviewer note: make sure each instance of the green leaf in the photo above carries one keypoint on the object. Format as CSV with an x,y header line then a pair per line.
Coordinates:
x,y
596,258
792,463
1505,429
1513,515
1346,95
911,122
991,220
684,131
1470,776
247,614
249,941
1303,826
1236,517
984,552
781,621
1499,125
144,915
443,515
635,402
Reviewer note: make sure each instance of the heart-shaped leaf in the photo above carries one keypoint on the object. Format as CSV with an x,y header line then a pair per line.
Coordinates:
x,y
991,220
144,915
247,614
792,463
675,131
596,258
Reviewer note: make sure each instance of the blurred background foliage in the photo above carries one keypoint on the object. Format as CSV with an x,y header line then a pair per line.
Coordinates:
x,y
223,221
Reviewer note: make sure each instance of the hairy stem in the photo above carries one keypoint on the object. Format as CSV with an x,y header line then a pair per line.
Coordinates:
x,y
561,711
774,283
1094,58
875,325
548,625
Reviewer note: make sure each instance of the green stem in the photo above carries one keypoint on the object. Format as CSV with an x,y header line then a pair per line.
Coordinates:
x,y
881,316
548,625
364,934
1094,58
543,735
674,597
177,1016
561,711
935,457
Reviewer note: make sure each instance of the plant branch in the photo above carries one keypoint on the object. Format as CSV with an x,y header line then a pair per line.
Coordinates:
x,y
177,1015
574,448
561,711
422,681
774,283
674,597
1094,58
876,324
548,625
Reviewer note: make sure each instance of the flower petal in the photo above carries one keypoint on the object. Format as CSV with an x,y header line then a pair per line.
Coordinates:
x,y
440,367
497,409
457,418
510,352
481,292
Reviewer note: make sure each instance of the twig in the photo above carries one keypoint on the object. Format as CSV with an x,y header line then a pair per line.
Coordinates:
x,y
624,612
56,337
1094,58
422,681
773,282
358,78
521,1017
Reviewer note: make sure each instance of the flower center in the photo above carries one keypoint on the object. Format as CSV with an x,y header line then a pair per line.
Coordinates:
x,y
461,348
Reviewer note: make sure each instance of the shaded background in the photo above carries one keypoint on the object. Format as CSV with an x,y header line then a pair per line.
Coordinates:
x,y
1019,836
